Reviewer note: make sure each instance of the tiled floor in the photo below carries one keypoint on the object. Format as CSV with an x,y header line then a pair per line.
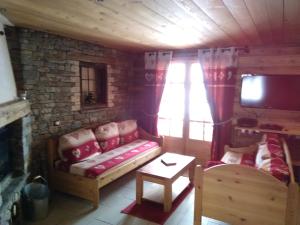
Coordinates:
x,y
69,210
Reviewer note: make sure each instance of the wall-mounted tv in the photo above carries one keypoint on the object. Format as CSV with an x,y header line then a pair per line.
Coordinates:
x,y
271,91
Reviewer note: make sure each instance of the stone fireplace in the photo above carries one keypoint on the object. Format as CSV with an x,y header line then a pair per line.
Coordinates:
x,y
15,124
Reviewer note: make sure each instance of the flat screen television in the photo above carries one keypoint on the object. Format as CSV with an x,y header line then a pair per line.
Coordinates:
x,y
271,91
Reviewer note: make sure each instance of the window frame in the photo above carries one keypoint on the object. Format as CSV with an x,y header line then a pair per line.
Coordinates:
x,y
103,103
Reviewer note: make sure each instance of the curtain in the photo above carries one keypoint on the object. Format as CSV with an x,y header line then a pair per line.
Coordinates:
x,y
156,66
219,69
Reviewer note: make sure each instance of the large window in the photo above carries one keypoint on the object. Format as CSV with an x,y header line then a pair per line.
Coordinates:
x,y
93,79
184,110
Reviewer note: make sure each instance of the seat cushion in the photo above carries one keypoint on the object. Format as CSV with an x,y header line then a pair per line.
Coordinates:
x,y
99,164
108,136
78,145
128,131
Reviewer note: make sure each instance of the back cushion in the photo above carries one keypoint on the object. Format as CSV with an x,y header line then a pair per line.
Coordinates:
x,y
276,166
262,154
128,131
231,157
78,145
108,136
272,148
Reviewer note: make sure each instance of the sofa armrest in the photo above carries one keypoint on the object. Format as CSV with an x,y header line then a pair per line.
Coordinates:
x,y
145,135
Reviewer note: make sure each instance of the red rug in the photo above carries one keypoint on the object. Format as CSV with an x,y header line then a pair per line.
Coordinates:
x,y
153,211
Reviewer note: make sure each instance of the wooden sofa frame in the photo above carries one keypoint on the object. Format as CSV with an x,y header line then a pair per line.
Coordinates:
x,y
88,188
238,194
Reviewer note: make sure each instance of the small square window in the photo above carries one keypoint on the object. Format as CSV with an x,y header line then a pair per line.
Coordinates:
x,y
93,80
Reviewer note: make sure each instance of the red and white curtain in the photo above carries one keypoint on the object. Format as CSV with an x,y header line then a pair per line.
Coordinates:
x,y
220,69
156,66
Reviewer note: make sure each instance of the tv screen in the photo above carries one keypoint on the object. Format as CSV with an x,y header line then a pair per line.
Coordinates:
x,y
271,91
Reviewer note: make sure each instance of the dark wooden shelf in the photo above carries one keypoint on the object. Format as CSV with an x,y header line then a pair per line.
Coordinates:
x,y
288,131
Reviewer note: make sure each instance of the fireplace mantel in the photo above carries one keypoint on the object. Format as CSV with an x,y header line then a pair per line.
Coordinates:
x,y
12,111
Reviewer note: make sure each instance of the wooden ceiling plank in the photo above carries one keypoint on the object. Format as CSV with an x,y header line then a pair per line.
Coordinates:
x,y
219,13
183,18
38,23
275,14
259,14
174,18
136,16
49,17
219,35
64,16
163,24
241,14
291,21
172,33
117,18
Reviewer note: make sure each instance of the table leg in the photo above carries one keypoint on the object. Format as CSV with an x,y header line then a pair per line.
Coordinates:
x,y
191,172
139,188
168,197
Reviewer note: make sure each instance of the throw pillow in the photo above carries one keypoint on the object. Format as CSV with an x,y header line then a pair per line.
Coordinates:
x,y
128,131
108,136
78,145
231,157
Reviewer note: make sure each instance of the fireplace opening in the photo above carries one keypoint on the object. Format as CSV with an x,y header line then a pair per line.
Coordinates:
x,y
5,153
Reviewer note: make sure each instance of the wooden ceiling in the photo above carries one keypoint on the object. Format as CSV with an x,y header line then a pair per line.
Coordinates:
x,y
162,24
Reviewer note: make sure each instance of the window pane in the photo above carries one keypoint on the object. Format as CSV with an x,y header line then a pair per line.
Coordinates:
x,y
176,128
91,73
172,102
208,131
199,108
163,126
176,73
84,72
196,131
84,84
92,86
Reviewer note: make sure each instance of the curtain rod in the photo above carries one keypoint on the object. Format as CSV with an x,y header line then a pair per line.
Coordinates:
x,y
245,49
193,53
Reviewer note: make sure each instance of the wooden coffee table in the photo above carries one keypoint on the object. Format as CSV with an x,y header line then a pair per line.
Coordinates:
x,y
159,173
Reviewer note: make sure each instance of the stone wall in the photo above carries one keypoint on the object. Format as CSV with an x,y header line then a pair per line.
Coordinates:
x,y
47,67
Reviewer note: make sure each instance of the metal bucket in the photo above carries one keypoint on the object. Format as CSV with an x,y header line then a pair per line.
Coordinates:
x,y
36,196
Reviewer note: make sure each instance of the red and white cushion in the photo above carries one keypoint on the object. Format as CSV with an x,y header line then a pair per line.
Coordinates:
x,y
128,131
276,166
231,157
262,154
270,149
108,136
273,138
78,145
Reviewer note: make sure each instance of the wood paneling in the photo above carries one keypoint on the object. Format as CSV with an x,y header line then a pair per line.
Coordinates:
x,y
152,24
274,61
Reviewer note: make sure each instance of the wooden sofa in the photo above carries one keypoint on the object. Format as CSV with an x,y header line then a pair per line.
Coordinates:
x,y
239,194
88,188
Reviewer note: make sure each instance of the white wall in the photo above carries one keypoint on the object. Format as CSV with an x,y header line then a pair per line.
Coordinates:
x,y
8,91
